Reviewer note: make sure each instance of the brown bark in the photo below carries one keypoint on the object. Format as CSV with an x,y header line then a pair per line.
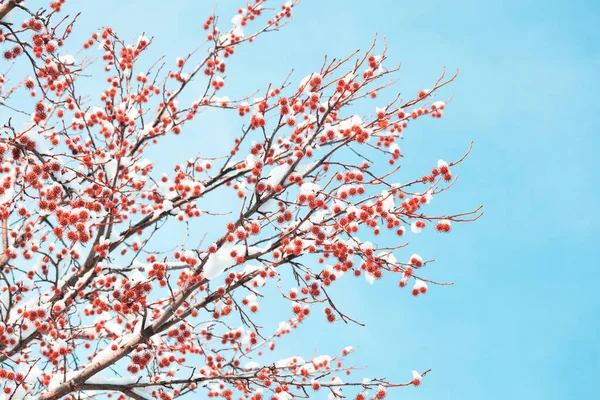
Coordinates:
x,y
7,7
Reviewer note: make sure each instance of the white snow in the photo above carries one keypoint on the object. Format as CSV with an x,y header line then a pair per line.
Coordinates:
x,y
438,105
67,59
414,228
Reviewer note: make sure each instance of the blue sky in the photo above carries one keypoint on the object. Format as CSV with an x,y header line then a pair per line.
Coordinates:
x,y
522,320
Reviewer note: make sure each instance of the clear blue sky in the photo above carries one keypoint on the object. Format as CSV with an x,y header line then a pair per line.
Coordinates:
x,y
523,318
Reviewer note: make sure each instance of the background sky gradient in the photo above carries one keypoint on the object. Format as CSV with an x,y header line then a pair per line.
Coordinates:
x,y
522,320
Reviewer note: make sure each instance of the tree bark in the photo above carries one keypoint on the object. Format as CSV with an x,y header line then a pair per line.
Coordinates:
x,y
7,7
